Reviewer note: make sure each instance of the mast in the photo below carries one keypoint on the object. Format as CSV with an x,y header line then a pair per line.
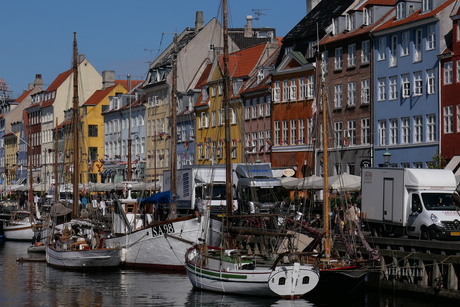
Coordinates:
x,y
130,141
173,206
56,174
75,120
327,232
31,191
226,101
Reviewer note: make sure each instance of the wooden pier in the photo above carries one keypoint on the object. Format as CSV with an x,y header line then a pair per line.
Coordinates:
x,y
413,266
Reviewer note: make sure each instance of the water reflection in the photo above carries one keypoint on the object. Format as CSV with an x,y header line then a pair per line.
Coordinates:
x,y
36,284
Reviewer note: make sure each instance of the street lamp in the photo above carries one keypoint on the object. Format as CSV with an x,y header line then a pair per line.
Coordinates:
x,y
386,157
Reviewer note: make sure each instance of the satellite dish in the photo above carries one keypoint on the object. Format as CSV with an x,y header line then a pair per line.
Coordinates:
x,y
289,172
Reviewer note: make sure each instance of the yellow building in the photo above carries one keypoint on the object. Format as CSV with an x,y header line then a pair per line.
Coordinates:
x,y
92,126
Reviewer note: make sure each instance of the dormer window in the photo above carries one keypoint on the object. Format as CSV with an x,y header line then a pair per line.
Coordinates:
x,y
311,49
335,26
260,75
350,22
367,19
427,6
287,50
401,10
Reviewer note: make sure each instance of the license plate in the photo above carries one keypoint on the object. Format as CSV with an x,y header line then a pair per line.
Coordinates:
x,y
455,233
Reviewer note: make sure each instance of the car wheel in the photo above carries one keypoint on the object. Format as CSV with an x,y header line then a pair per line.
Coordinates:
x,y
425,235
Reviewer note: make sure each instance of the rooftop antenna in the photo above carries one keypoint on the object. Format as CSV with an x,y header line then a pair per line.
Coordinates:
x,y
151,52
258,12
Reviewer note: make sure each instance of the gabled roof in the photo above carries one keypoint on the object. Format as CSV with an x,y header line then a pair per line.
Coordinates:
x,y
242,62
317,20
376,3
98,96
416,16
58,81
23,96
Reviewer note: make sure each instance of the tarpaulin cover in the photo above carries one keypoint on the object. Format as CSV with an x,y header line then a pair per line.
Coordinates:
x,y
158,198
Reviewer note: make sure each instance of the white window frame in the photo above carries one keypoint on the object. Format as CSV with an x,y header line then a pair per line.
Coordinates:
x,y
405,43
394,129
338,58
285,132
405,82
351,56
338,134
293,131
302,89
286,90
393,87
382,89
431,128
351,94
293,90
351,131
382,132
418,129
448,72
405,130
365,92
365,52
311,87
338,96
301,139
418,45
431,81
276,92
430,37
393,50
448,115
365,131
418,83
382,49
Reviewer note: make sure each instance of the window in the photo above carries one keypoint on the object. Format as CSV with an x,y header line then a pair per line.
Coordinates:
x,y
365,52
431,81
337,134
310,130
458,118
302,89
431,128
418,129
293,90
351,94
92,151
368,20
365,131
381,51
214,117
382,132
405,129
247,114
382,89
448,119
338,58
405,39
203,120
324,60
232,116
405,85
427,5
430,37
293,133
393,88
92,130
365,91
352,132
418,84
335,26
222,116
276,92
350,22
311,49
351,55
401,10
285,90
418,45
393,48
301,139
261,109
338,96
393,131
285,132
458,70
254,110
277,132
448,73
311,87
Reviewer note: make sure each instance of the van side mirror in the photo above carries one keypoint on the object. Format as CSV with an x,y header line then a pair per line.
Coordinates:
x,y
416,207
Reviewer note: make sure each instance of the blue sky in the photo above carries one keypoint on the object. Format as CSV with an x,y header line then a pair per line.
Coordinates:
x,y
36,36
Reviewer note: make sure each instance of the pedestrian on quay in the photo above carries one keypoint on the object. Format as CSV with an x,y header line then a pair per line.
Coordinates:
x,y
22,201
351,219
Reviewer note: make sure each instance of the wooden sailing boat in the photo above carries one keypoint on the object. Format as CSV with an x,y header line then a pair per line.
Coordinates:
x,y
344,274
80,243
160,243
238,271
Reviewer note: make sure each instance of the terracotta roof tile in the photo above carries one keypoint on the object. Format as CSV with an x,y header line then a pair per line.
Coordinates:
x,y
417,15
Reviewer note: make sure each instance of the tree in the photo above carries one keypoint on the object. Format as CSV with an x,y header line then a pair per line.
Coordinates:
x,y
438,161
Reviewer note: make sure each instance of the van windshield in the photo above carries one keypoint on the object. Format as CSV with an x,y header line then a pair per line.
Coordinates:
x,y
438,201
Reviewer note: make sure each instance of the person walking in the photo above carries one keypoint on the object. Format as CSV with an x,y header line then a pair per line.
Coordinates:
x,y
351,219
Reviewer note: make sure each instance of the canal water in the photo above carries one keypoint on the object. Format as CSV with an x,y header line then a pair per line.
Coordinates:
x,y
35,284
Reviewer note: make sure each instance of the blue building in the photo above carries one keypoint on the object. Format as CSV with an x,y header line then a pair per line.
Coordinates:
x,y
406,82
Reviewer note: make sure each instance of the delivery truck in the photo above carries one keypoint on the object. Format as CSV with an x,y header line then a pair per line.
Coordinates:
x,y
419,203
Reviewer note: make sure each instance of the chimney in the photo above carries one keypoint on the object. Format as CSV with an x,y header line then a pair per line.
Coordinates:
x,y
108,78
311,4
248,27
38,82
199,21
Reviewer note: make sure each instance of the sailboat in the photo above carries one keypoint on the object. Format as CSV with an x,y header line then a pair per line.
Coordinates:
x,y
81,242
148,239
345,274
243,271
